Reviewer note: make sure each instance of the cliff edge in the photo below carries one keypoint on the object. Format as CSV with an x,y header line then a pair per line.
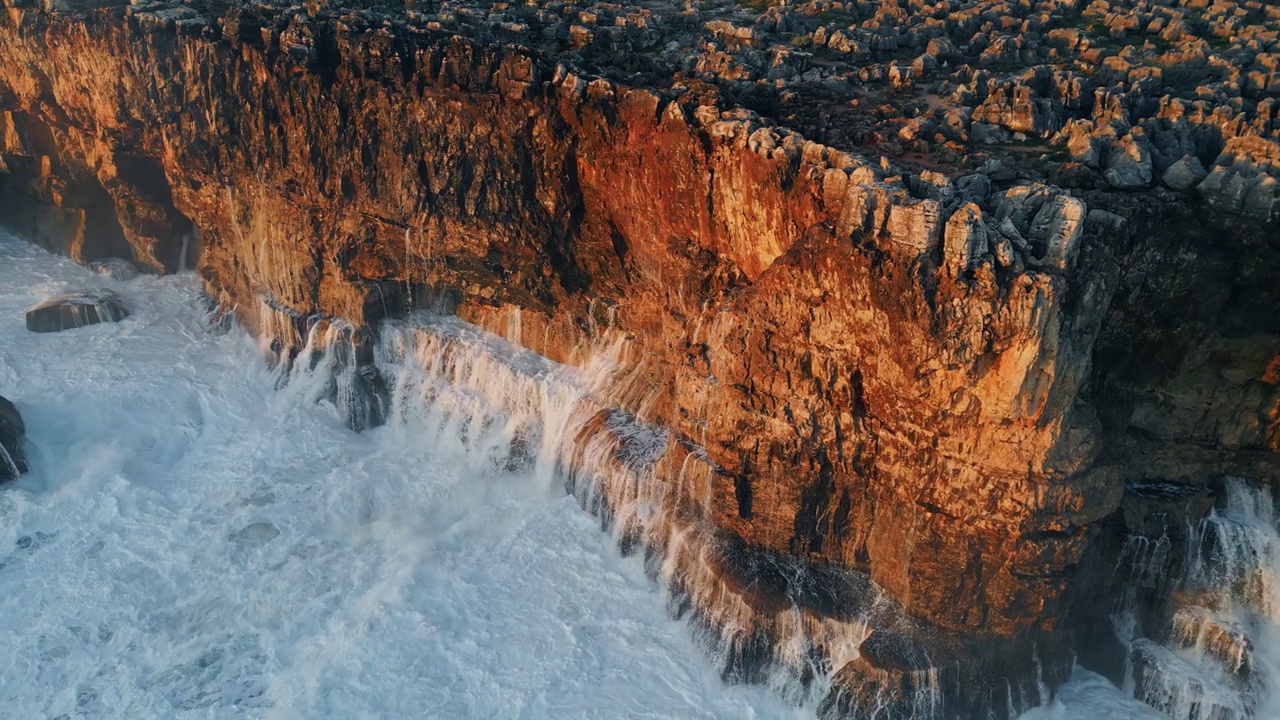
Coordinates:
x,y
943,379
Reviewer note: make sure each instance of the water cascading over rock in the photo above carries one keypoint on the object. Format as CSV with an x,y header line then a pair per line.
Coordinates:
x,y
1214,651
13,461
762,619
75,310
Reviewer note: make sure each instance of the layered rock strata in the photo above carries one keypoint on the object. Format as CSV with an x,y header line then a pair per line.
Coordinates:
x,y
932,380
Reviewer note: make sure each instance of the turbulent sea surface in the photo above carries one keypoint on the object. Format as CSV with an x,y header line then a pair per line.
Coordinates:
x,y
195,543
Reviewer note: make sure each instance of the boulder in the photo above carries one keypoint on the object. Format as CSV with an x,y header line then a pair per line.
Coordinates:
x,y
1129,164
1242,188
1043,222
988,134
1184,174
1055,231
76,309
12,461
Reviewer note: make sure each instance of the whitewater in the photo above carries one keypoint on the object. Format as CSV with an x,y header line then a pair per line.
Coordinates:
x,y
197,541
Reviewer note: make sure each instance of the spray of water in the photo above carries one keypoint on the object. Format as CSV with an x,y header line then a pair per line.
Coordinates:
x,y
259,557
9,463
1220,657
514,410
193,543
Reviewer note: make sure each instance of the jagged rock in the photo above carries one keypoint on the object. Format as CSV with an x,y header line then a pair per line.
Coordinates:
x,y
1083,144
1221,638
1104,224
1043,222
915,228
1244,179
76,309
1184,174
1016,108
1055,232
965,240
13,461
934,186
988,134
1242,189
1129,163
973,188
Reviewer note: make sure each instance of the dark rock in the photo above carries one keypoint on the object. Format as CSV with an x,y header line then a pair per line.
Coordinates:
x,y
12,460
76,309
115,268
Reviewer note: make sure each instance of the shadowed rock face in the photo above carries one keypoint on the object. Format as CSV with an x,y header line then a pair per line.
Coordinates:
x,y
12,460
898,375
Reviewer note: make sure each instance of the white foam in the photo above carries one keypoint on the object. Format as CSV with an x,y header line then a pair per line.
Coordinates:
x,y
193,543
1089,696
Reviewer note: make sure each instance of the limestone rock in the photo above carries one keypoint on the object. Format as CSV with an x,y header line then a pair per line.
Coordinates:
x,y
965,240
1044,223
1055,232
1242,188
1184,174
1129,164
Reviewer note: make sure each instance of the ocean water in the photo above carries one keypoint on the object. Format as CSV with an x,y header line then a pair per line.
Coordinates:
x,y
196,542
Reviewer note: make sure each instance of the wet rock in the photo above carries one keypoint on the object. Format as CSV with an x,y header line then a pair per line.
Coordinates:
x,y
115,268
366,401
255,534
1222,638
13,461
75,310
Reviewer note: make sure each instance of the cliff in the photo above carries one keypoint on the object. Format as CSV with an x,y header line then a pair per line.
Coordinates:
x,y
940,382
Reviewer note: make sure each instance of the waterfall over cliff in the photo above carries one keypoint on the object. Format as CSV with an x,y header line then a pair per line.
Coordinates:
x,y
1221,656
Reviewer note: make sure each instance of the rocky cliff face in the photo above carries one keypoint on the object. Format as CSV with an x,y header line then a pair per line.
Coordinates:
x,y
941,382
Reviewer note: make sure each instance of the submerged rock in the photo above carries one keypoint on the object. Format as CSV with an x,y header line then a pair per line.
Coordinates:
x,y
365,400
12,461
76,309
255,534
115,268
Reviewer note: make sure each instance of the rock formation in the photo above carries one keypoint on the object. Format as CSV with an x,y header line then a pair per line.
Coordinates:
x,y
13,462
937,373
76,309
